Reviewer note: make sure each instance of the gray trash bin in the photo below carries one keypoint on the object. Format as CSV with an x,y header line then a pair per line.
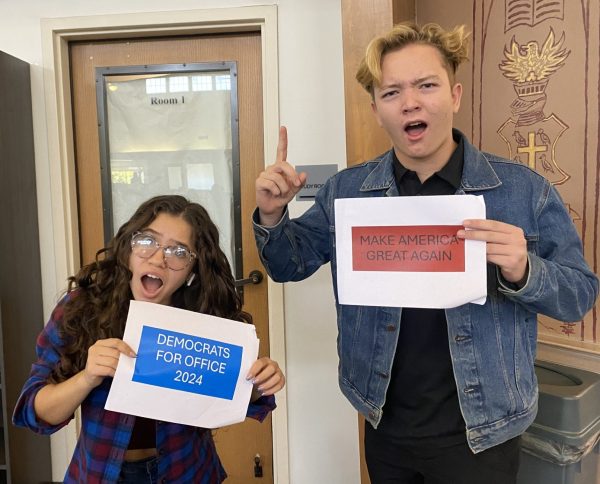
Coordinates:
x,y
562,446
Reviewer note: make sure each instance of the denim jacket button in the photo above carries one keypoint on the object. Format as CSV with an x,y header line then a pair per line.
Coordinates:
x,y
390,327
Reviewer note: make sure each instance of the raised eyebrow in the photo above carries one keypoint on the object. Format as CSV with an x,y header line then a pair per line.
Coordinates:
x,y
180,244
415,82
149,232
155,233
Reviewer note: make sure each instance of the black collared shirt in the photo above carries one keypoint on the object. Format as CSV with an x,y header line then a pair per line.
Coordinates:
x,y
422,401
444,182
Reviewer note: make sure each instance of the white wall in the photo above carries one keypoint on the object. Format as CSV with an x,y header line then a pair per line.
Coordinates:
x,y
323,436
322,425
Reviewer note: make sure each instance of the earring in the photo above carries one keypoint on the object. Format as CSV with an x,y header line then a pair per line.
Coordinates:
x,y
190,279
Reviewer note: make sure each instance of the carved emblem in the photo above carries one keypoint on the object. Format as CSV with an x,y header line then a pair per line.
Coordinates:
x,y
532,136
531,12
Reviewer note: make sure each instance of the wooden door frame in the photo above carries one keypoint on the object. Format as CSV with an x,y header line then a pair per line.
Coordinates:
x,y
56,35
361,21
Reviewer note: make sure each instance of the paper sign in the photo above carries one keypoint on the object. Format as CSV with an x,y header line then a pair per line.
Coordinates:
x,y
183,362
190,368
410,248
403,252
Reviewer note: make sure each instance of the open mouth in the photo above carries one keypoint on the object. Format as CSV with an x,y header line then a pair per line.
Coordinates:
x,y
416,128
151,283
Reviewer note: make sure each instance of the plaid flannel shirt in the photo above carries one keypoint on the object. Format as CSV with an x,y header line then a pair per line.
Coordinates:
x,y
185,453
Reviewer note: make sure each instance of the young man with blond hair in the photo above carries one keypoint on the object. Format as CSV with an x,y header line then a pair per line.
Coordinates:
x,y
445,393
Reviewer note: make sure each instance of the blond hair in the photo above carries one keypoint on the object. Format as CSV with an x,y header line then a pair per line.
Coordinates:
x,y
453,46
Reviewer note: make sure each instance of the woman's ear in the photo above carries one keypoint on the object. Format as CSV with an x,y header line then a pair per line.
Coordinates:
x,y
190,279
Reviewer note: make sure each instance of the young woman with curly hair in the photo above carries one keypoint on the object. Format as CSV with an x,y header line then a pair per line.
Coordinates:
x,y
167,253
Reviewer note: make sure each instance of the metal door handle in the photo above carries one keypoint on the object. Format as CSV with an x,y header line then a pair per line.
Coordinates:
x,y
258,470
255,277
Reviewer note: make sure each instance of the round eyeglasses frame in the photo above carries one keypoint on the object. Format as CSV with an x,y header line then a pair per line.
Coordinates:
x,y
169,251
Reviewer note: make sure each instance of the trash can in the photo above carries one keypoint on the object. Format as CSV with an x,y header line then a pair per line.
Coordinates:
x,y
562,446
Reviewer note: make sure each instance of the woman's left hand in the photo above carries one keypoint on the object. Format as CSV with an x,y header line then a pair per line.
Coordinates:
x,y
266,376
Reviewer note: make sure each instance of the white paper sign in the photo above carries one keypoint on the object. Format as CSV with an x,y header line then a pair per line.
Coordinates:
x,y
402,252
190,367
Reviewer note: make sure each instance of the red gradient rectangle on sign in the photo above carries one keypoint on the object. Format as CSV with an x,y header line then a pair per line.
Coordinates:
x,y
408,248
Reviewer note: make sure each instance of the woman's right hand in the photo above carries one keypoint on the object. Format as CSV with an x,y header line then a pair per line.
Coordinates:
x,y
56,402
102,360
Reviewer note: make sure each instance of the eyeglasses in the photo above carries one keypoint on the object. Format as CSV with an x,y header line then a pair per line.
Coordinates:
x,y
177,257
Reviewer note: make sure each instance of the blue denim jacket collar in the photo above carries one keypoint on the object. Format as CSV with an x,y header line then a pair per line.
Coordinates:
x,y
478,174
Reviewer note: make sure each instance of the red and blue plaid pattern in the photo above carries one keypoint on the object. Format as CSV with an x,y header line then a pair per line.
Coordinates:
x,y
185,454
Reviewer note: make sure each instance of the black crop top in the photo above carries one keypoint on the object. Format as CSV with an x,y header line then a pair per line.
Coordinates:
x,y
143,435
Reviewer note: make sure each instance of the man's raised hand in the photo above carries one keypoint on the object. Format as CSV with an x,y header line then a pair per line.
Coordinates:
x,y
277,185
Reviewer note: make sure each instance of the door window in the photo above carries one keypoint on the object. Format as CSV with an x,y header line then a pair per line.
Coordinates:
x,y
171,129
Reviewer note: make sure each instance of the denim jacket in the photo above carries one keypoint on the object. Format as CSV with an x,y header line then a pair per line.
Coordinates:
x,y
492,346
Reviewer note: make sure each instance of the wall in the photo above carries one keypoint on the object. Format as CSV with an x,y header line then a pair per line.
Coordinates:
x,y
322,425
499,120
20,286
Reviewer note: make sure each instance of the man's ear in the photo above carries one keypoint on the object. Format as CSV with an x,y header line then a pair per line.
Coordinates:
x,y
456,96
375,112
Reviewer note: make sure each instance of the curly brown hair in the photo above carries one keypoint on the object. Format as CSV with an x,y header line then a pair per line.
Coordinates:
x,y
453,46
100,302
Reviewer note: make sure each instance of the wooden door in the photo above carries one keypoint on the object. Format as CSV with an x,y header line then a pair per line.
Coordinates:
x,y
239,444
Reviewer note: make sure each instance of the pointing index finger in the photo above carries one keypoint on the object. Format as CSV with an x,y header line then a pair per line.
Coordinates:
x,y
282,145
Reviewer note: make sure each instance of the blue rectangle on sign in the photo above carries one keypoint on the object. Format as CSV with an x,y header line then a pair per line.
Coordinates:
x,y
188,363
